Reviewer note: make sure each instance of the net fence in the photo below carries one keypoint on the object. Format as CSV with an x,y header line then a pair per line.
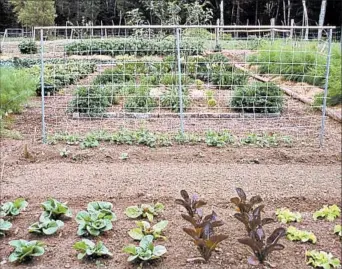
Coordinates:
x,y
241,80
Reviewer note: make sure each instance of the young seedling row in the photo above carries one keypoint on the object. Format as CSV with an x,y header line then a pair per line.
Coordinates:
x,y
99,217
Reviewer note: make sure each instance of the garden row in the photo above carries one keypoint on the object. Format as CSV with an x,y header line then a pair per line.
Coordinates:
x,y
151,139
99,218
132,79
301,62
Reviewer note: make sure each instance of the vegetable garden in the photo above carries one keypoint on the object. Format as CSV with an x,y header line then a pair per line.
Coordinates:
x,y
168,148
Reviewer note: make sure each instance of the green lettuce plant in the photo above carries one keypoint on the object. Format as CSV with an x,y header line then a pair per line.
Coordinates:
x,y
47,227
88,248
145,211
321,259
25,250
145,228
4,226
338,230
13,208
284,215
105,208
293,234
92,223
54,209
327,212
145,251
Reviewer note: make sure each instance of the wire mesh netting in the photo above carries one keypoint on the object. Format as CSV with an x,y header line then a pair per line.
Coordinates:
x,y
196,79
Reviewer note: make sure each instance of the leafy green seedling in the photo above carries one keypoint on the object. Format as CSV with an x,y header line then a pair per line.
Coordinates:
x,y
54,209
88,248
92,223
284,215
243,205
262,248
338,230
145,228
145,211
64,153
47,227
293,234
13,208
105,209
25,250
321,259
4,226
145,251
327,212
211,102
124,156
218,139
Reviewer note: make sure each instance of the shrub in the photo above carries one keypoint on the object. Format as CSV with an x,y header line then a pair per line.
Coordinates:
x,y
141,101
28,47
170,99
113,76
17,85
93,100
258,98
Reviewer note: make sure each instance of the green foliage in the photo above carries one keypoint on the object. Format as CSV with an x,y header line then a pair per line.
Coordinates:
x,y
145,210
327,212
113,75
218,139
28,47
293,234
46,226
338,230
88,248
17,85
285,216
243,205
141,101
13,208
89,142
54,209
25,250
258,98
92,101
92,223
96,220
145,251
171,100
265,140
187,138
4,226
145,228
134,46
229,79
321,259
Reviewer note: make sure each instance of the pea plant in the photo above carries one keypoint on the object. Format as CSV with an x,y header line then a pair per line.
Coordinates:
x,y
293,234
329,213
145,211
322,259
145,228
25,250
284,215
89,249
4,226
146,251
13,208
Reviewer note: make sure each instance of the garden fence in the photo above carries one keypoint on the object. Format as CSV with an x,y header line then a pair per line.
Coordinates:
x,y
185,79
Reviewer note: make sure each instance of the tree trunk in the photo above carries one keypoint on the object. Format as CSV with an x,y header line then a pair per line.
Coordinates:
x,y
238,13
256,12
306,19
321,18
284,12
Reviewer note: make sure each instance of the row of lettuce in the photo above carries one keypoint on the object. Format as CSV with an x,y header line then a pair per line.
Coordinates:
x,y
98,219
